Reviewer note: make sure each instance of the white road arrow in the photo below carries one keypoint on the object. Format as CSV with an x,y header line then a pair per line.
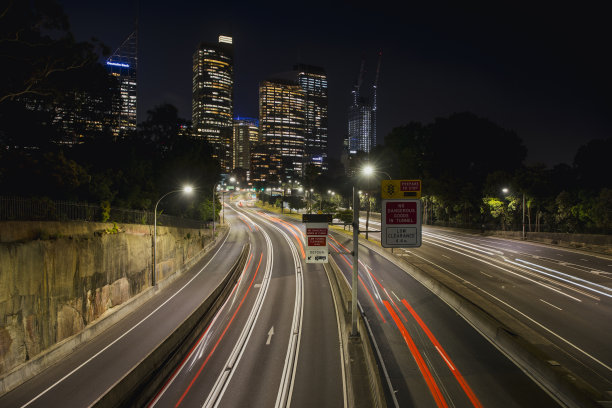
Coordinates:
x,y
270,334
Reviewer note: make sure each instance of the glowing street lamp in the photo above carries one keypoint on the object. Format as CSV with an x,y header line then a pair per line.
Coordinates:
x,y
186,190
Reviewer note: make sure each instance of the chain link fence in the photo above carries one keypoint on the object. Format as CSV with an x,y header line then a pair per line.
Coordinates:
x,y
44,209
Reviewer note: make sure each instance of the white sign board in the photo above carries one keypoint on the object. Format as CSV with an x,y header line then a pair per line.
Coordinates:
x,y
401,224
316,242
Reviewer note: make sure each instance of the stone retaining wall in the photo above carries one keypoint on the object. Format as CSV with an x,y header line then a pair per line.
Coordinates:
x,y
58,277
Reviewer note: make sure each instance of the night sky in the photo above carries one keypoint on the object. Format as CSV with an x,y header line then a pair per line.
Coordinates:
x,y
542,70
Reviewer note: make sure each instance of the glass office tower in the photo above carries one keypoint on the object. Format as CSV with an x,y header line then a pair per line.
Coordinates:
x,y
313,81
282,106
213,94
123,65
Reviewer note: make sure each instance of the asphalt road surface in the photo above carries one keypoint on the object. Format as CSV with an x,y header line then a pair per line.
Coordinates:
x,y
563,294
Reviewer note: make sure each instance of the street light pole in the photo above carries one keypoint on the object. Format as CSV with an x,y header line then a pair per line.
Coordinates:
x,y
186,189
213,205
524,237
223,207
355,262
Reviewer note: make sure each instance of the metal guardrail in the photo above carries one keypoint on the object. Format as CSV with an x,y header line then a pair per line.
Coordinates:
x,y
43,209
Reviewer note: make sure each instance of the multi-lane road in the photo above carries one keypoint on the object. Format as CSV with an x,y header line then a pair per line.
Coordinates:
x,y
275,340
564,295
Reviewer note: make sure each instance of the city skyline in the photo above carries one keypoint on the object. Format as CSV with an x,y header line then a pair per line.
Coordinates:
x,y
537,71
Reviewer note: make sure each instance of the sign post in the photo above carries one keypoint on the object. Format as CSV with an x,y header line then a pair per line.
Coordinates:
x,y
316,237
401,214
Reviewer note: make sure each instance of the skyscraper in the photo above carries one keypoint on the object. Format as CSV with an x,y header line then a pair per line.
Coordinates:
x,y
362,115
282,125
246,135
213,96
359,122
360,128
313,81
123,65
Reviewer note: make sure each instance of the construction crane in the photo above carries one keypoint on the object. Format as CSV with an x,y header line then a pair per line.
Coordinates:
x,y
357,85
374,101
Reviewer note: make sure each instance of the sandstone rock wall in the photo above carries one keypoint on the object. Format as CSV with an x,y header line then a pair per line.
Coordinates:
x,y
56,278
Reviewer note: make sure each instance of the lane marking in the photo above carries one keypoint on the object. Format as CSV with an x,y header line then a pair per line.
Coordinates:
x,y
270,334
486,274
446,256
127,332
418,358
550,304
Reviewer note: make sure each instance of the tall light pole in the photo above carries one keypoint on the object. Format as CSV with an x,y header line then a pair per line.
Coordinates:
x,y
355,282
186,190
524,237
310,201
213,205
232,179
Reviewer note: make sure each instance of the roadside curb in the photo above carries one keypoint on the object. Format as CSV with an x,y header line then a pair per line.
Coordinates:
x,y
58,351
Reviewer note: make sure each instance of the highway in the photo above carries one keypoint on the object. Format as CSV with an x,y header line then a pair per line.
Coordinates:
x,y
564,295
274,341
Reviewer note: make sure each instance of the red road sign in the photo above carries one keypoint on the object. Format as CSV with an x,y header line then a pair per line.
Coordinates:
x,y
401,212
316,231
317,241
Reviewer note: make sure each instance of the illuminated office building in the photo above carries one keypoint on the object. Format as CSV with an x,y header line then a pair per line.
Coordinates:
x,y
212,103
360,128
282,125
246,135
313,81
123,66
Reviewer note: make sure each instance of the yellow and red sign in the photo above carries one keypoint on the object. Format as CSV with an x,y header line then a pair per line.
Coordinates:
x,y
400,189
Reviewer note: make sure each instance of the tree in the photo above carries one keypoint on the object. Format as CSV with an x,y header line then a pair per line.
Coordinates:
x,y
38,52
53,88
593,165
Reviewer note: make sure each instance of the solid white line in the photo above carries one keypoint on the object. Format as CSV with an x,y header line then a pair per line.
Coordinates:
x,y
229,368
550,304
344,388
127,332
285,390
